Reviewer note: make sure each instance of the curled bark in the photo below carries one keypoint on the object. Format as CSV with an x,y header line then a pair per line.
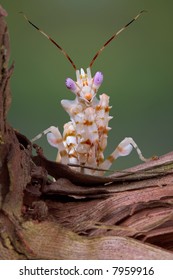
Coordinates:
x,y
128,215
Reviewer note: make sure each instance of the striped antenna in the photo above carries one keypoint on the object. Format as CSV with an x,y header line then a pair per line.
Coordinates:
x,y
113,37
50,39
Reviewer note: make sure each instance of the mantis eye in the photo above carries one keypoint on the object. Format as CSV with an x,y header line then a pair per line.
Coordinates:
x,y
70,84
98,79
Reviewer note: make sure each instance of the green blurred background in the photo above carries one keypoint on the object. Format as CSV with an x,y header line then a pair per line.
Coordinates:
x,y
137,67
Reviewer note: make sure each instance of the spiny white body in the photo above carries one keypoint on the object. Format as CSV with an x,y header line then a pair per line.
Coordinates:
x,y
85,136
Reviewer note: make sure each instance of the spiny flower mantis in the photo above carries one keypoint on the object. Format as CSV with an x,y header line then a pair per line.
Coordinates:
x,y
84,137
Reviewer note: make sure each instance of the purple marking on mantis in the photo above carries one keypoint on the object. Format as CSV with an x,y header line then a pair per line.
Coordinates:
x,y
70,84
98,78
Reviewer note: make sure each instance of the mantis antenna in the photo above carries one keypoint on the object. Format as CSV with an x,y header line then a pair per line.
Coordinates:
x,y
113,37
99,51
50,39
